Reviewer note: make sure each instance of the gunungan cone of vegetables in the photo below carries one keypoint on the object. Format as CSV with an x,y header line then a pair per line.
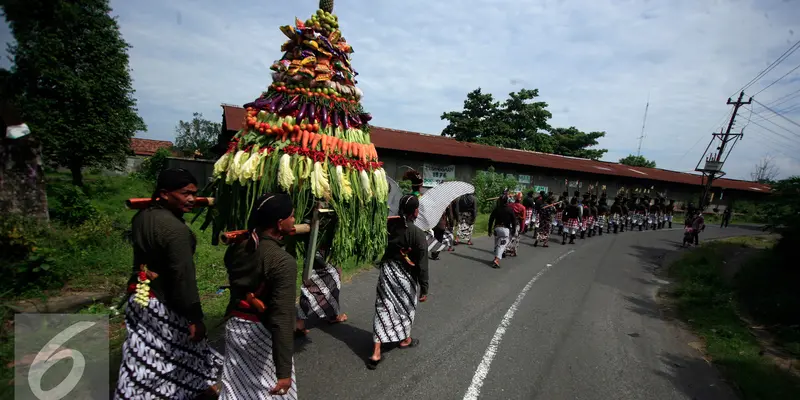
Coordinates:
x,y
308,136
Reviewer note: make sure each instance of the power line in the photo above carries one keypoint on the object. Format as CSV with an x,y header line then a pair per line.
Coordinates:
x,y
784,98
770,130
714,129
779,145
777,80
779,114
780,126
770,67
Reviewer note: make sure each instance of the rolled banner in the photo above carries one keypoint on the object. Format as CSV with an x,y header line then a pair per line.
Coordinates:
x,y
142,203
229,238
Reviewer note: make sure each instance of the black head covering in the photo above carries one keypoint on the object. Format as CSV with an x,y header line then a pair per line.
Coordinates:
x,y
530,194
269,209
408,204
574,201
173,179
577,193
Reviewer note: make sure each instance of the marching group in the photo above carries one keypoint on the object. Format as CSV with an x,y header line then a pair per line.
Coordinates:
x,y
166,353
568,217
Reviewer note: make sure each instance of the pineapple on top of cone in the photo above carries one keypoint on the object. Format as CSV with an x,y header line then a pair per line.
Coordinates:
x,y
307,135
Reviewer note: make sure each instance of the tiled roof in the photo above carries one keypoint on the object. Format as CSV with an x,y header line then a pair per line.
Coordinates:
x,y
148,147
392,139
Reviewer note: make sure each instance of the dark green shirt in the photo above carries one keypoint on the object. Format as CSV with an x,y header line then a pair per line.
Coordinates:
x,y
404,236
164,243
270,264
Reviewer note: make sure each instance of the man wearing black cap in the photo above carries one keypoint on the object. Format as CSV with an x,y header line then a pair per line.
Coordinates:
x,y
166,335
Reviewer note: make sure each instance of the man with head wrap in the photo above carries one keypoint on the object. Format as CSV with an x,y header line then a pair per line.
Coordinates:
x,y
261,311
403,281
165,352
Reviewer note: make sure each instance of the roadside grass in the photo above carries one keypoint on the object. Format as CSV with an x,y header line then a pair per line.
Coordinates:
x,y
712,307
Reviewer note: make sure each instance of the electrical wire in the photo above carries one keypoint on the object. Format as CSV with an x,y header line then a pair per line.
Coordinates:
x,y
718,124
784,98
777,113
782,127
776,133
778,80
770,67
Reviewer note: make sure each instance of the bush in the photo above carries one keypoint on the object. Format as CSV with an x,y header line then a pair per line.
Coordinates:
x,y
783,216
489,184
154,164
69,204
27,263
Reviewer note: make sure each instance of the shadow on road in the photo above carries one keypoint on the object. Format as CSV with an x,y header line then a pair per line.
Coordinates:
x,y
358,340
695,377
476,259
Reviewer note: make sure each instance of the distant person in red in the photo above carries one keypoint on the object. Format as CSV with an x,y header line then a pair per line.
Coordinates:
x,y
519,215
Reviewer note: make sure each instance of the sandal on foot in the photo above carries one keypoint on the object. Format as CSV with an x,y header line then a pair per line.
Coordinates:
x,y
412,343
338,319
373,364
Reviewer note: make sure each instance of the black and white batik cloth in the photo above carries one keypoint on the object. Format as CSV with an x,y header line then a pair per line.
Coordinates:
x,y
501,239
434,246
465,228
249,371
320,294
513,242
158,359
395,303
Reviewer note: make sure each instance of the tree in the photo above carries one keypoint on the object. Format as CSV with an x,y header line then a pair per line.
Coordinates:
x,y
783,215
520,122
765,171
574,143
637,161
73,81
197,136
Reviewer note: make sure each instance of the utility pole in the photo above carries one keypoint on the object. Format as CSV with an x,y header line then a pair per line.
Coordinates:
x,y
715,160
646,107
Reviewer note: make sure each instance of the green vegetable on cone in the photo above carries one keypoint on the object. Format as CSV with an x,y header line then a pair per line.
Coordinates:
x,y
308,136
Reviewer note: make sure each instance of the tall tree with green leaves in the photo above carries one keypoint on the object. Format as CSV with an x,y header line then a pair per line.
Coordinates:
x,y
574,143
73,81
637,161
520,122
197,136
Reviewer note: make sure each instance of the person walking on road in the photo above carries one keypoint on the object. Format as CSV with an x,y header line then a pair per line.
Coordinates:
x,y
261,312
403,281
572,221
519,219
166,354
466,212
501,223
698,224
726,217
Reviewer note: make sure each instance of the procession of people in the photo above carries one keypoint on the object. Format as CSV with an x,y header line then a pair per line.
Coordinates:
x,y
166,352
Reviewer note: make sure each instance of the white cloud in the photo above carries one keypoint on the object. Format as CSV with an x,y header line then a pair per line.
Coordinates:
x,y
594,62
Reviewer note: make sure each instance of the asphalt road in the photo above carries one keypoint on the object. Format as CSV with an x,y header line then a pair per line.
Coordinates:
x,y
566,322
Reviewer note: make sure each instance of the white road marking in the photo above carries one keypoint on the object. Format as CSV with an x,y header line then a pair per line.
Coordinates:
x,y
483,368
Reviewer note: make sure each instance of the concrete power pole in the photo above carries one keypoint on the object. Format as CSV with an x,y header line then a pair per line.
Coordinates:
x,y
714,161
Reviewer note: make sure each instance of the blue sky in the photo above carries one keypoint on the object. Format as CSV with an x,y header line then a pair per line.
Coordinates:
x,y
593,61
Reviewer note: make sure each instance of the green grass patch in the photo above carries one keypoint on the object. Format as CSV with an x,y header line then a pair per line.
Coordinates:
x,y
710,305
